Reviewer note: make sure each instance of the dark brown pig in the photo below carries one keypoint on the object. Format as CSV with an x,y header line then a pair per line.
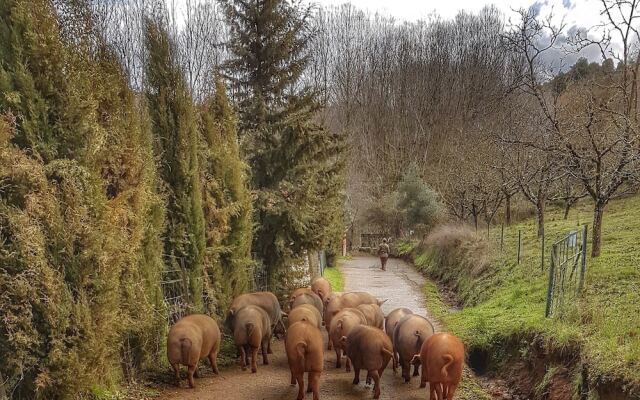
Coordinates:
x,y
369,349
442,357
303,345
410,332
308,298
191,339
265,300
373,313
321,287
341,325
252,331
389,325
305,312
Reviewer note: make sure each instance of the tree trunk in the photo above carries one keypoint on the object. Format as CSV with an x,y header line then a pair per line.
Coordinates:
x,y
596,237
507,211
540,211
474,213
567,207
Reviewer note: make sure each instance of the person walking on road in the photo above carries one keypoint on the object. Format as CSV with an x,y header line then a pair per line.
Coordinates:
x,y
383,253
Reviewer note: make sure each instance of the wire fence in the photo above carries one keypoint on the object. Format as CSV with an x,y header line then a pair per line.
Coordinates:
x,y
176,283
562,261
566,272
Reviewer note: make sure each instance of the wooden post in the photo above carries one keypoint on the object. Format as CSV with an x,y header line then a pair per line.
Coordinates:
x,y
542,254
344,245
583,261
519,244
552,271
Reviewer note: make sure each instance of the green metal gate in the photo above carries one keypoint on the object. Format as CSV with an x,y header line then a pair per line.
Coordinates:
x,y
566,271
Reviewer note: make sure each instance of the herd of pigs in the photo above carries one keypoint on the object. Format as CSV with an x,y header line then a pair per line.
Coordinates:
x,y
355,324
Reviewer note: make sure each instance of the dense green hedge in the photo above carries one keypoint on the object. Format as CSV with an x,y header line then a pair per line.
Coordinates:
x,y
87,208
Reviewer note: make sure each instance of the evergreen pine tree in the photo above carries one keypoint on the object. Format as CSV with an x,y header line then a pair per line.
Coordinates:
x,y
296,166
175,131
227,201
269,42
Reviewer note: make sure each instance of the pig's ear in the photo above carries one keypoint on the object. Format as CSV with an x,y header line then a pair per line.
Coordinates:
x,y
381,302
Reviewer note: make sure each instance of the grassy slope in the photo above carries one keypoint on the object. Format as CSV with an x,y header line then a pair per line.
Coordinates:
x,y
510,299
469,388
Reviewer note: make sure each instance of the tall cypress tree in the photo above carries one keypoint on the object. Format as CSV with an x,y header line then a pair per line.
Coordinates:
x,y
174,126
227,201
79,215
296,165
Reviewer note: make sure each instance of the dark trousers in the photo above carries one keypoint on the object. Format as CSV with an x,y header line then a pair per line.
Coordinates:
x,y
383,261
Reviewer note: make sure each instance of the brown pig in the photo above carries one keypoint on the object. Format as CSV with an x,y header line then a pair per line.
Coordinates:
x,y
410,332
303,345
330,297
191,339
298,292
252,331
373,313
389,325
265,300
369,349
441,356
348,300
392,319
308,298
305,312
341,325
327,299
321,287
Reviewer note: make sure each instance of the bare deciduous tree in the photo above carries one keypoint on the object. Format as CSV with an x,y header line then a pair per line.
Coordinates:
x,y
593,125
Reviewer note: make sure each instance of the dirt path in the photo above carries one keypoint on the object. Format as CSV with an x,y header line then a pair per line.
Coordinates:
x,y
400,284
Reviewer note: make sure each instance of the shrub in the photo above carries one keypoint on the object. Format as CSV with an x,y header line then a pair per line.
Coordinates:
x,y
456,255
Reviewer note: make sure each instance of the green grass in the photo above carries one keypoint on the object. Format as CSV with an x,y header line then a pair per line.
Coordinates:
x,y
334,276
469,388
507,301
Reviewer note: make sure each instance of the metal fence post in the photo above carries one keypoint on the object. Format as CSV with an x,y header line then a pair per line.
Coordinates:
x,y
552,271
583,261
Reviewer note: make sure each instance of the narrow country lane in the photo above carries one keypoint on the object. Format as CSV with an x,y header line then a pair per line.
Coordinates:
x,y
400,285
